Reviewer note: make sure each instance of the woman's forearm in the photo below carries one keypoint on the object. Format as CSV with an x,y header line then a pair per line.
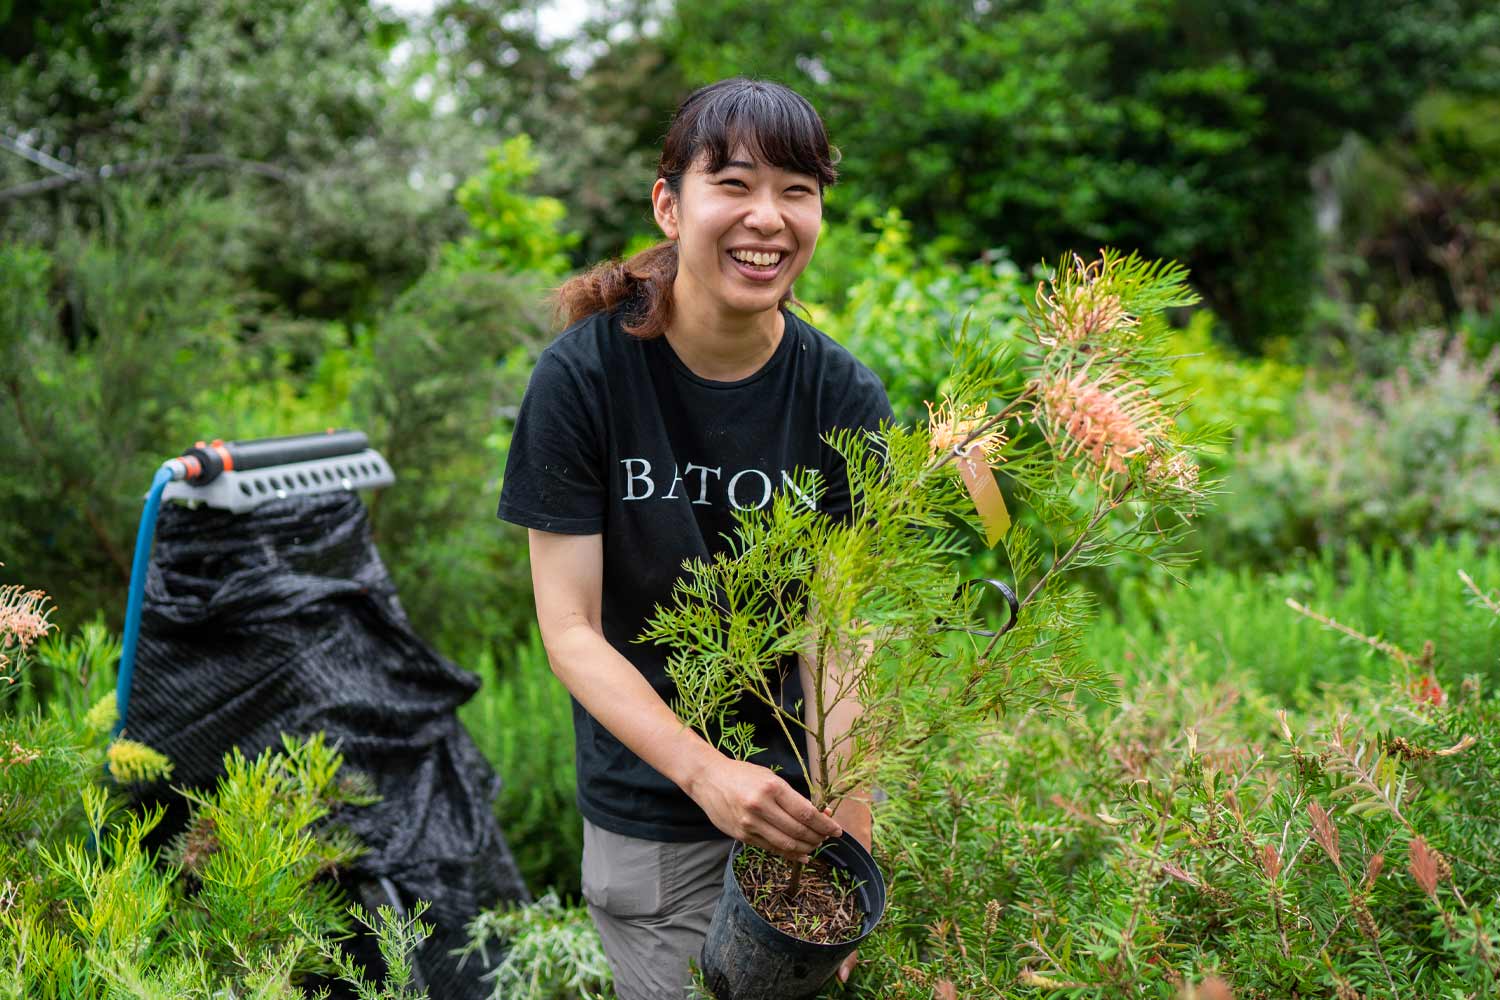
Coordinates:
x,y
622,701
841,708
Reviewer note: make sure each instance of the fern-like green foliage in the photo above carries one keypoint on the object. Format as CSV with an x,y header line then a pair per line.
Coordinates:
x,y
237,905
1195,832
1078,423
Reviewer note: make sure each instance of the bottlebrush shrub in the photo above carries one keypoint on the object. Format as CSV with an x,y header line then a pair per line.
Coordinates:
x,y
1196,841
1080,423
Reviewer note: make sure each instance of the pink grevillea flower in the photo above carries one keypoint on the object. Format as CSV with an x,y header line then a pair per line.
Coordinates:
x,y
23,620
1079,311
1106,423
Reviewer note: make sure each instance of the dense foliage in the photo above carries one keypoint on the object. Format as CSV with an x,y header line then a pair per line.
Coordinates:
x,y
1183,130
234,219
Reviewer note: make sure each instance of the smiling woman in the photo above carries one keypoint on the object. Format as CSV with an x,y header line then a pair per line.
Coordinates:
x,y
683,391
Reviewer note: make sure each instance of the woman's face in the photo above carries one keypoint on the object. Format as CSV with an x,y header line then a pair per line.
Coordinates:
x,y
743,234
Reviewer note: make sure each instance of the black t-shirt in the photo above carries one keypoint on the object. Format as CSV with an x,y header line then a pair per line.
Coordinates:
x,y
616,436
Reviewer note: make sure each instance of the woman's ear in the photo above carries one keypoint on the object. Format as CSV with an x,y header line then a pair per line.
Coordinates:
x,y
664,207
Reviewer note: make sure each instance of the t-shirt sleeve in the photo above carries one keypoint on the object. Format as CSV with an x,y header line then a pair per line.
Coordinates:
x,y
553,478
864,407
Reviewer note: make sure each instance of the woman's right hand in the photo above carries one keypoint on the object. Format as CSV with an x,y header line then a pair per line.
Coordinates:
x,y
752,804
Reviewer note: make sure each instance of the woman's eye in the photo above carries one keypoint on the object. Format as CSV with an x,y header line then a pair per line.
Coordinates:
x,y
734,180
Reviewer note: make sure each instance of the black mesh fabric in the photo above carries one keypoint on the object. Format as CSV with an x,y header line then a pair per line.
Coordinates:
x,y
284,619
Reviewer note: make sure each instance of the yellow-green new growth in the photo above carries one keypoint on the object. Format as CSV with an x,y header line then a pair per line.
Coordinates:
x,y
102,717
135,763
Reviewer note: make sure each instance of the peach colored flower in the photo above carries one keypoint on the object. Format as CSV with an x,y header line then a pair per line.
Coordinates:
x,y
1177,469
949,425
1078,310
23,620
1105,422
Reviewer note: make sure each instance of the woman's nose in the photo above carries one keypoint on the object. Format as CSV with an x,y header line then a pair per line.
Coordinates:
x,y
765,216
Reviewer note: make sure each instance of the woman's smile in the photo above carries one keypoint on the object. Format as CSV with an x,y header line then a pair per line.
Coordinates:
x,y
759,264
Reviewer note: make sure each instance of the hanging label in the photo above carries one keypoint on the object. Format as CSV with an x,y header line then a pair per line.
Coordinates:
x,y
985,492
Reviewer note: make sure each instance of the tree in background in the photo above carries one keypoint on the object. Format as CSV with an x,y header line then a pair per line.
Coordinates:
x,y
1186,130
597,103
297,106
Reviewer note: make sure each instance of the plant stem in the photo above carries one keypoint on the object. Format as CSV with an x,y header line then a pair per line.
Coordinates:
x,y
1067,557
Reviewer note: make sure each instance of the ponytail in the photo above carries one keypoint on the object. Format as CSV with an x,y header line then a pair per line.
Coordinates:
x,y
642,284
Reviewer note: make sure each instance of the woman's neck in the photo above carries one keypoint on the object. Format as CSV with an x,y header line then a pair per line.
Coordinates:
x,y
720,346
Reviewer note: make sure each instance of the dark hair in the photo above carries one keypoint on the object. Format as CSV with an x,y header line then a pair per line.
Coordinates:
x,y
777,126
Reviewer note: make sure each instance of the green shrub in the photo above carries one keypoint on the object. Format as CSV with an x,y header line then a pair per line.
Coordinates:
x,y
124,345
1403,459
511,231
104,342
438,378
1236,620
552,952
236,905
899,309
1193,833
1252,397
522,719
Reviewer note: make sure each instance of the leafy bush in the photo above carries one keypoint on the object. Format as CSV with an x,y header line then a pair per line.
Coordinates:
x,y
510,230
1400,460
1184,131
1251,397
297,107
127,344
552,952
522,719
1195,842
438,375
103,343
236,905
899,309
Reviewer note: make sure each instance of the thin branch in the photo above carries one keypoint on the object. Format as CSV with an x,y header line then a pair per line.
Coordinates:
x,y
38,157
1390,649
201,161
1485,599
1062,561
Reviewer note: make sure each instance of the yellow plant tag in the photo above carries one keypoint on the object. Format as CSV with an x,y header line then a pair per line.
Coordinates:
x,y
985,492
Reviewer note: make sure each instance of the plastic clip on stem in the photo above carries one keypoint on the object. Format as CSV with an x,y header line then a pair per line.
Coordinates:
x,y
171,470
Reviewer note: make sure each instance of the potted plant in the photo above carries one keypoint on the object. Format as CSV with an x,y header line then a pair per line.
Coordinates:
x,y
874,611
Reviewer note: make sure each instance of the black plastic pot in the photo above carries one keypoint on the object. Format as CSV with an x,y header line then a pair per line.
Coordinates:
x,y
746,958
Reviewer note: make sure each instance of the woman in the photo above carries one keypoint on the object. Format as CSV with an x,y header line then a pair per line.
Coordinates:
x,y
682,391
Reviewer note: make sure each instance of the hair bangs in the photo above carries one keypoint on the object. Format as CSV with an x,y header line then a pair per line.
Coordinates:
x,y
772,123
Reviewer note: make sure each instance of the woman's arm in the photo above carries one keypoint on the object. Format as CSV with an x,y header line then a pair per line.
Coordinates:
x,y
853,812
746,801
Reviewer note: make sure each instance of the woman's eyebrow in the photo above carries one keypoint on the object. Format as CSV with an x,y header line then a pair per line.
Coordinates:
x,y
743,164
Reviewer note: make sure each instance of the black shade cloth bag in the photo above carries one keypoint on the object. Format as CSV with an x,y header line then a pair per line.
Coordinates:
x,y
284,619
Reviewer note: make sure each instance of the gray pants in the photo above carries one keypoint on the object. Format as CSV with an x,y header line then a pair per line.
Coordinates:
x,y
652,902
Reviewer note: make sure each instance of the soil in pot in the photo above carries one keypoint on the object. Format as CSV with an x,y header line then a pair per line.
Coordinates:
x,y
825,908
748,957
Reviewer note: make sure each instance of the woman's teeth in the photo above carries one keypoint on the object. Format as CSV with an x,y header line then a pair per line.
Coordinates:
x,y
756,258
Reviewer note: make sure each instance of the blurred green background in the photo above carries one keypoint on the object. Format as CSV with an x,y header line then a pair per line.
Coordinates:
x,y
221,218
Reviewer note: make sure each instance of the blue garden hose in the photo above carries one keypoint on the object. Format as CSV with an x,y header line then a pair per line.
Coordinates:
x,y
172,469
